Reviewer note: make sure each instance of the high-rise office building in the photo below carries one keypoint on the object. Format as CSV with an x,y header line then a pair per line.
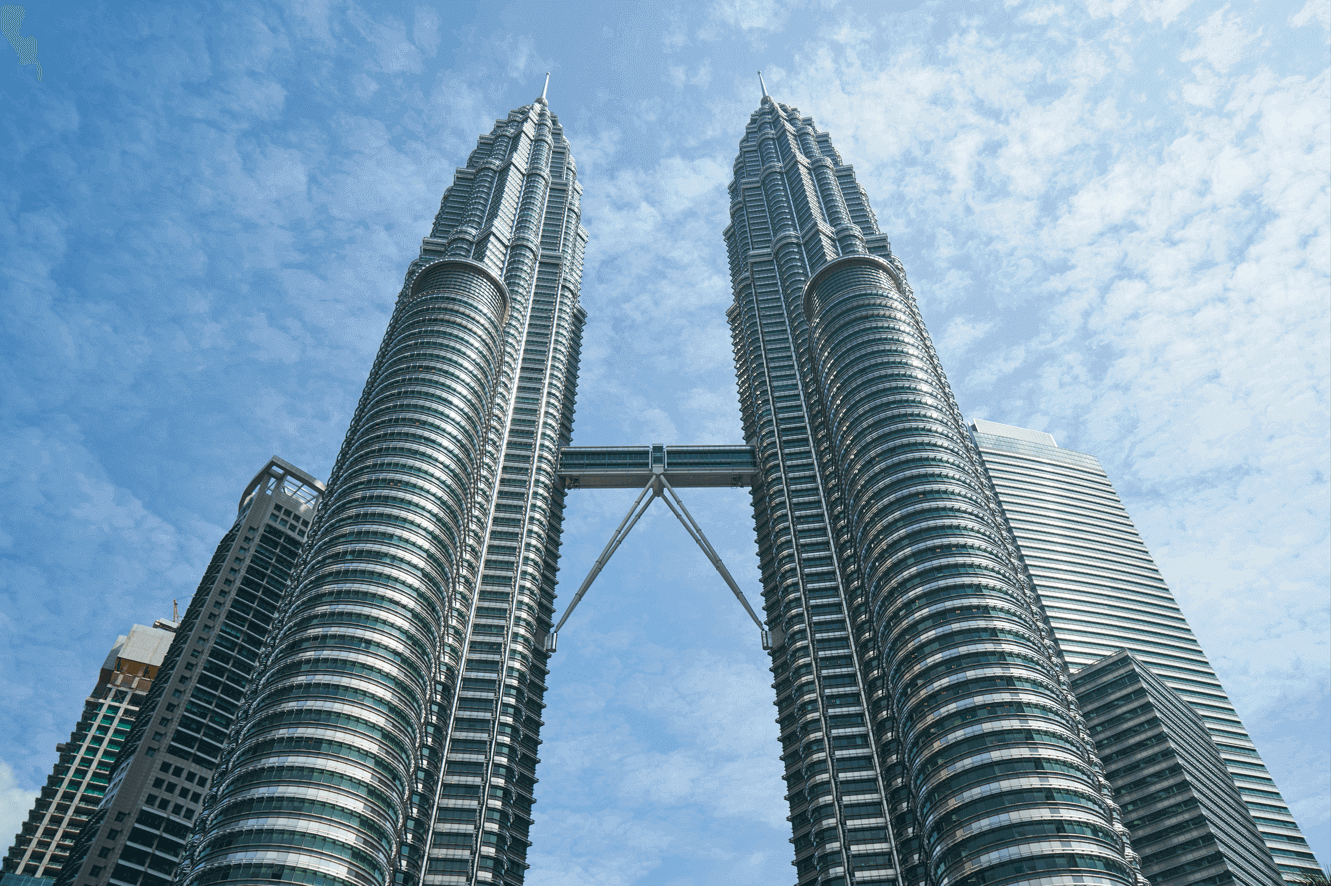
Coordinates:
x,y
138,831
928,726
1103,592
392,735
80,778
1178,800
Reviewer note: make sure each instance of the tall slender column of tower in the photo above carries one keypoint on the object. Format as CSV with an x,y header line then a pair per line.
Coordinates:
x,y
929,731
391,734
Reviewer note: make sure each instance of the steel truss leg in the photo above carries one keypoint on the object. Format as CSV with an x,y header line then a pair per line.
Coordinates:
x,y
695,531
621,532
659,487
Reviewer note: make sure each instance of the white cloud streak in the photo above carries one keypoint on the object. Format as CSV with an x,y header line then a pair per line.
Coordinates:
x,y
15,801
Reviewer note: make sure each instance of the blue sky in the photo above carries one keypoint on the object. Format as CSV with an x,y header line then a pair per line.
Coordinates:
x,y
1115,216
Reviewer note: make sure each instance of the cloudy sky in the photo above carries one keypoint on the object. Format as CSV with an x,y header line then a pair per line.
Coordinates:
x,y
1115,215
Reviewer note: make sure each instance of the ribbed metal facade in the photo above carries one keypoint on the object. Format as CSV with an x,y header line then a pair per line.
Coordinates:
x,y
1103,592
392,734
928,728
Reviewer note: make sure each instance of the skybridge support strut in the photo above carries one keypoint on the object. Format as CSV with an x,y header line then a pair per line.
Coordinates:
x,y
621,532
659,487
695,531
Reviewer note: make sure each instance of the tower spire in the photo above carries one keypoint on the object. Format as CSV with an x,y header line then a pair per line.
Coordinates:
x,y
763,85
455,292
546,87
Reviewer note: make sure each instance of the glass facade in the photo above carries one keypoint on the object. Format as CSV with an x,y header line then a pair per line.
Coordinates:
x,y
1185,814
78,783
392,734
1103,592
138,832
927,722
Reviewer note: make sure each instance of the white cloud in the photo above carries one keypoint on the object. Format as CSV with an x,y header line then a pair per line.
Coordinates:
x,y
1221,40
425,29
713,416
1313,10
961,333
15,802
701,77
391,51
685,733
749,15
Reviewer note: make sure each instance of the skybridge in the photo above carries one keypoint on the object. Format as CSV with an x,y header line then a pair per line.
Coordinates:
x,y
631,467
658,470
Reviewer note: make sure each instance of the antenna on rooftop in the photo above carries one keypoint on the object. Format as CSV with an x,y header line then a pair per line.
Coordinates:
x,y
175,611
763,85
547,84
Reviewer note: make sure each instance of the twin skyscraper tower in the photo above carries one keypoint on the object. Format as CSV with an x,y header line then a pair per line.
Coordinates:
x,y
383,719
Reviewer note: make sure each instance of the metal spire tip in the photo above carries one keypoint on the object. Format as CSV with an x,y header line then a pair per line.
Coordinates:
x,y
546,87
763,85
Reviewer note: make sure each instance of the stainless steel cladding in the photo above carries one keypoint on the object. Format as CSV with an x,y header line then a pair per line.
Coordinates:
x,y
930,735
962,642
392,734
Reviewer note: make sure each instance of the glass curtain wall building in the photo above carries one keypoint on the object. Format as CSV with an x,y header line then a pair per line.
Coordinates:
x,y
1180,803
928,726
77,784
138,833
392,733
1103,592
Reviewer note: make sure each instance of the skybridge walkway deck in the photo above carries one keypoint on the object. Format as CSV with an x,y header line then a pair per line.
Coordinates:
x,y
632,467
